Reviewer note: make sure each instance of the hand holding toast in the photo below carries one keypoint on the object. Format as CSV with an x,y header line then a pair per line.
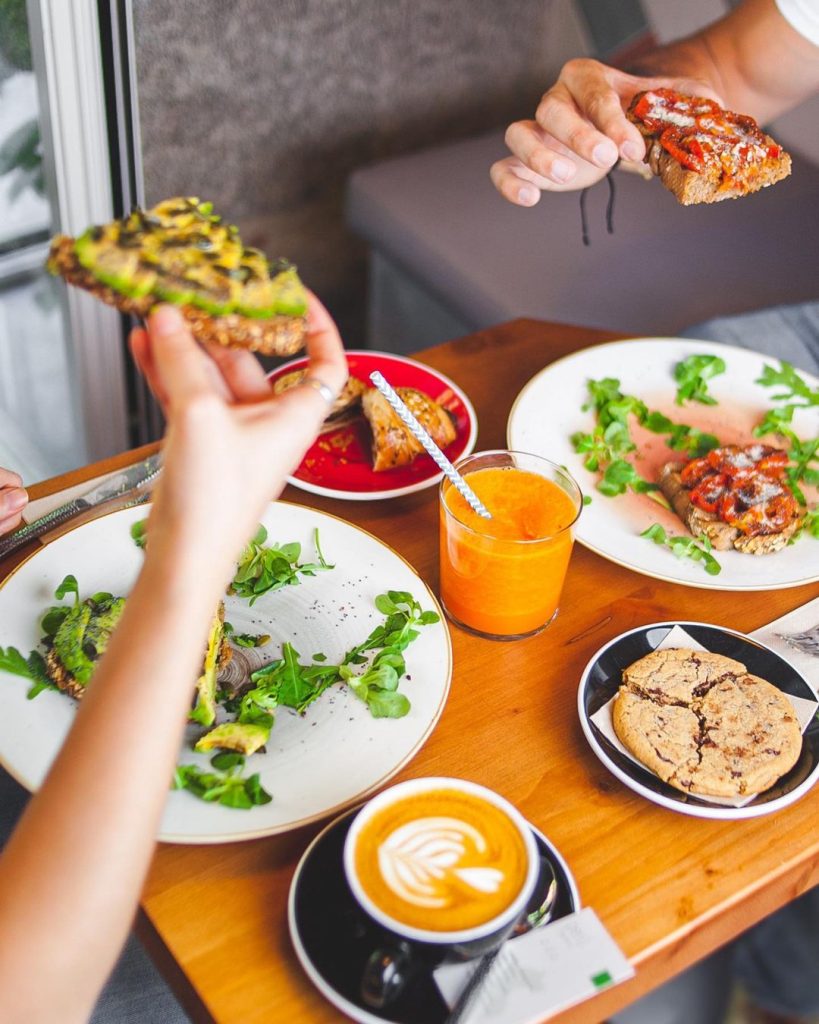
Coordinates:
x,y
230,441
579,132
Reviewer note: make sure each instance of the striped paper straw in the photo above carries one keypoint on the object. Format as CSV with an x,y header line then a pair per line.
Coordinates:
x,y
432,449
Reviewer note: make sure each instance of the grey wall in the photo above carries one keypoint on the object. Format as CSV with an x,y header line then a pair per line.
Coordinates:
x,y
266,106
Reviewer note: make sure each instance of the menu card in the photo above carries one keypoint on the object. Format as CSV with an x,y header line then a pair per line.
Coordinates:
x,y
541,973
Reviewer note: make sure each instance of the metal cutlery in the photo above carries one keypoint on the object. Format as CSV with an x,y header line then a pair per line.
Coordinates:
x,y
132,478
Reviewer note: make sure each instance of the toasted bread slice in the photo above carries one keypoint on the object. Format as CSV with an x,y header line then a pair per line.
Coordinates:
x,y
393,444
723,536
702,153
180,252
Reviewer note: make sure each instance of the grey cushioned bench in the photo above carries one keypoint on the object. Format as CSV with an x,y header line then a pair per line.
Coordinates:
x,y
449,255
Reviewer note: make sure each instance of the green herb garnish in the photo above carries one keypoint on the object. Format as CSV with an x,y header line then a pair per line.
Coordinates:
x,y
692,376
32,667
265,568
610,440
225,784
804,455
697,549
787,377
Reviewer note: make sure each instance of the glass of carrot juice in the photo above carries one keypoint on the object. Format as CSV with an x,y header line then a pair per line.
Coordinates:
x,y
502,577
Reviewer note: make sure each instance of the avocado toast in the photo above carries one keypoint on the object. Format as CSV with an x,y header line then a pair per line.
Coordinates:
x,y
180,252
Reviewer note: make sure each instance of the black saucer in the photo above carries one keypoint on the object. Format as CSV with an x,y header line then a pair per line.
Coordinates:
x,y
333,938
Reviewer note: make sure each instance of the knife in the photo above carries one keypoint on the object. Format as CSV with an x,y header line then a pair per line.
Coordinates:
x,y
128,479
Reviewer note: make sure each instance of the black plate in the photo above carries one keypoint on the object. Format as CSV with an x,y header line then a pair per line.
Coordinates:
x,y
601,680
333,938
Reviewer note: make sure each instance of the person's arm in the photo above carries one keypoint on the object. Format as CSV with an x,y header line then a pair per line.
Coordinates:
x,y
752,61
13,499
71,874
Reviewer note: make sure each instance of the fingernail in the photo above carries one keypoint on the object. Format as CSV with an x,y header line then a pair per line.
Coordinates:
x,y
14,499
562,170
166,320
604,154
633,151
528,195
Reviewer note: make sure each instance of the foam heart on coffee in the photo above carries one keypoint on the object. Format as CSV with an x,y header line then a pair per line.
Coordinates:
x,y
441,860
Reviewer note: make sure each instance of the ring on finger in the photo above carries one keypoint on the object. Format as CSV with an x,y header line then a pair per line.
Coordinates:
x,y
323,389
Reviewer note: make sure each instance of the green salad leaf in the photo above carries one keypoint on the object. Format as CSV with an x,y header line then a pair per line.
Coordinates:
x,y
798,394
264,568
697,549
692,376
224,784
33,668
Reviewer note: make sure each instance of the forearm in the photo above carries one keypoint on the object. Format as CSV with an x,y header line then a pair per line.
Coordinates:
x,y
71,874
752,58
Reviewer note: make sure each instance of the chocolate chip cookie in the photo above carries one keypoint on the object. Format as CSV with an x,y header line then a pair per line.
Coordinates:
x,y
704,724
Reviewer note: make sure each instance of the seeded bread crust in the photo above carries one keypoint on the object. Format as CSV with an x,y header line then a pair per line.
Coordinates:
x,y
694,187
723,536
276,336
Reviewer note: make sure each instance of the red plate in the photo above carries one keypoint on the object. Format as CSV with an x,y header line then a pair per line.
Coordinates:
x,y
339,463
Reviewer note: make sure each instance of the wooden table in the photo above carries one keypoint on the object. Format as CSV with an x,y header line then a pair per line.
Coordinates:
x,y
669,888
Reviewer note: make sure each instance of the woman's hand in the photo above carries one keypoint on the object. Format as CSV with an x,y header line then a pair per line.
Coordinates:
x,y
230,443
13,499
579,132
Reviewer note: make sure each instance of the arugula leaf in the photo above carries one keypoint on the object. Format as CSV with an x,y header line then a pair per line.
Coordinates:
x,y
697,549
804,455
289,683
692,376
787,377
264,568
225,784
33,667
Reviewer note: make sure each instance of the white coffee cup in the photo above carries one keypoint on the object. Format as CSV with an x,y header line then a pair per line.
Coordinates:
x,y
440,853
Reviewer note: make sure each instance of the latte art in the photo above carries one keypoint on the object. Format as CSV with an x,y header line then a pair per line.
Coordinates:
x,y
441,860
426,862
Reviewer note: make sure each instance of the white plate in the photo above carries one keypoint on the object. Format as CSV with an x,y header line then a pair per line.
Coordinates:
x,y
549,410
602,677
314,766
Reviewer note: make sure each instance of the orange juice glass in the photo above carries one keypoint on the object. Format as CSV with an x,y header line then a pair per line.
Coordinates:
x,y
502,577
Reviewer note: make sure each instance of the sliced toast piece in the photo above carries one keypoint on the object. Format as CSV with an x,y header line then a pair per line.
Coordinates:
x,y
723,536
393,444
180,252
702,153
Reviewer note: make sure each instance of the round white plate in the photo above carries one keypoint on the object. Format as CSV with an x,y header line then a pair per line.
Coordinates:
x,y
549,410
315,765
602,677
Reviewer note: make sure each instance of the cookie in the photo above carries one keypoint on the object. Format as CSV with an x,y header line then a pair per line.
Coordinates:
x,y
678,675
704,724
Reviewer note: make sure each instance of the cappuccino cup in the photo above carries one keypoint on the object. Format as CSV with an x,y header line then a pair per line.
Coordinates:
x,y
443,862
